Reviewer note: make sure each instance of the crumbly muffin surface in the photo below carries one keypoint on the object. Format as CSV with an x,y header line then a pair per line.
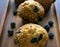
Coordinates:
x,y
30,10
31,35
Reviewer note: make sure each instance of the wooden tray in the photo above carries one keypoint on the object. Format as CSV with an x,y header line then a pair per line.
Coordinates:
x,y
3,11
7,41
58,11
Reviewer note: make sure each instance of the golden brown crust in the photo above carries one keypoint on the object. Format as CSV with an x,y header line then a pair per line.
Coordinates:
x,y
27,11
29,31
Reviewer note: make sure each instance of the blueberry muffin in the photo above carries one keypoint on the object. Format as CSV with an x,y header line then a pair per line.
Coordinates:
x,y
31,35
46,3
30,10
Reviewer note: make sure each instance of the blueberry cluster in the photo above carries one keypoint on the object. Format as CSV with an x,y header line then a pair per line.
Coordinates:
x,y
10,32
15,12
47,27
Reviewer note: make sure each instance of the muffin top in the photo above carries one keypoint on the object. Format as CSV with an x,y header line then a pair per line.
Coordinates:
x,y
31,35
30,10
46,4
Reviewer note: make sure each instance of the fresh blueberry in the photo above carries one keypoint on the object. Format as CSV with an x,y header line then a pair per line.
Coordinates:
x,y
40,37
47,27
13,24
50,23
34,40
10,32
51,35
15,12
35,9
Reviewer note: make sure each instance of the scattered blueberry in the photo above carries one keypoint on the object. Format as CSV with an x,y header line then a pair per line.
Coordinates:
x,y
40,18
35,9
10,32
50,23
15,12
51,35
13,24
40,37
47,27
34,40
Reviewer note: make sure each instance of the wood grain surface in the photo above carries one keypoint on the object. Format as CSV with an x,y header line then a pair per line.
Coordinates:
x,y
3,11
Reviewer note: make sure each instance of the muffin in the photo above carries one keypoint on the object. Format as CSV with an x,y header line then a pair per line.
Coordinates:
x,y
31,35
46,3
30,10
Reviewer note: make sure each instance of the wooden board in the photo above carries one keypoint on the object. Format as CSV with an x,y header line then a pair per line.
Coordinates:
x,y
3,11
58,11
7,41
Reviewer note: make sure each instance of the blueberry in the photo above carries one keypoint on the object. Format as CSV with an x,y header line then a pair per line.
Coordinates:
x,y
34,40
40,18
13,24
10,32
15,12
51,35
47,27
40,37
50,23
35,9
